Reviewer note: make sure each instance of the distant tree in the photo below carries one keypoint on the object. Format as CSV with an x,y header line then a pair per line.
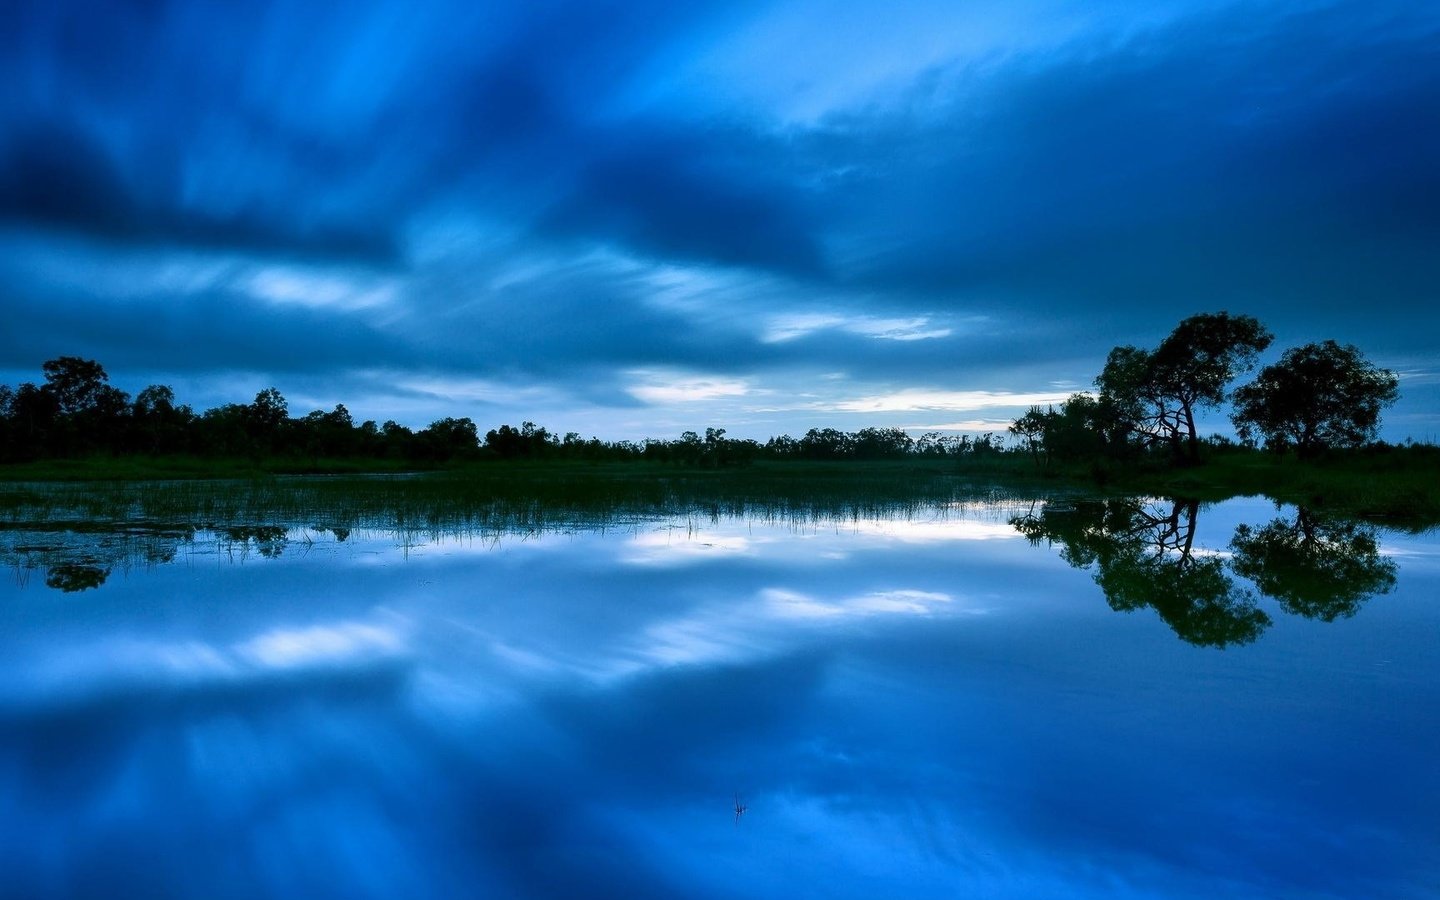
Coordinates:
x,y
826,443
1033,429
1086,427
91,413
508,442
159,425
224,431
450,438
329,433
782,447
396,440
266,422
270,410
1160,392
882,443
1316,397
77,384
33,415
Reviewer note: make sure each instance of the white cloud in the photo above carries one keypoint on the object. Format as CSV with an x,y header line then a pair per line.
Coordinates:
x,y
291,286
792,604
920,399
344,642
656,387
790,326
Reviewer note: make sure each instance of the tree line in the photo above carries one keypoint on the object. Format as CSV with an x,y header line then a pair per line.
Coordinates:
x,y
1147,403
76,412
1316,397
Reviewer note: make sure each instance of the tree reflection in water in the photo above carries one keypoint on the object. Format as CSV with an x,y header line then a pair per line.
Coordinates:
x,y
72,577
1144,554
1315,567
81,556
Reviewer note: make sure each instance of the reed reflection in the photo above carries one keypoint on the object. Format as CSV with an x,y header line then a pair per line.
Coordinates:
x,y
81,556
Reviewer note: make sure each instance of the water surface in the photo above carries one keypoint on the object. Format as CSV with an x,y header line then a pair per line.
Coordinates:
x,y
1004,699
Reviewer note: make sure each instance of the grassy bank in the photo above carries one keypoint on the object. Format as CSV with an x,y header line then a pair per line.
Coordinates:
x,y
1399,486
509,496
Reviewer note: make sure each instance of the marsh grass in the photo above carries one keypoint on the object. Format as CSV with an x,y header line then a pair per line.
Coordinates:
x,y
80,531
503,498
1399,489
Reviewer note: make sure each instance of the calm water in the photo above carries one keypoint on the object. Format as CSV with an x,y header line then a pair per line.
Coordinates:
x,y
1015,700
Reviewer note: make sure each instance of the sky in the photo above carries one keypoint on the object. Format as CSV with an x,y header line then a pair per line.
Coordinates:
x,y
633,219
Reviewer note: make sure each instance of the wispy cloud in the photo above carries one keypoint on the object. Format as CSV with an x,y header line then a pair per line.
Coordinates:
x,y
788,327
661,388
292,286
922,400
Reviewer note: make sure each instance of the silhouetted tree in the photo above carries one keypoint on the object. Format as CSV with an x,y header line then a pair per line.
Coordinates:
x,y
397,440
507,442
91,413
330,433
265,422
1033,429
450,438
159,426
1316,397
826,443
882,443
34,416
1159,392
76,383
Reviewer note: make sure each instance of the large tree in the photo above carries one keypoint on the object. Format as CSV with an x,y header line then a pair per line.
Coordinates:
x,y
1161,391
1317,396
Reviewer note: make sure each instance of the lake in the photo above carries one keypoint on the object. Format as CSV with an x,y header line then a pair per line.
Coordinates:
x,y
994,698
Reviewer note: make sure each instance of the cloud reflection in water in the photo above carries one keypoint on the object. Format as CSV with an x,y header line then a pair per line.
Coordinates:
x,y
919,707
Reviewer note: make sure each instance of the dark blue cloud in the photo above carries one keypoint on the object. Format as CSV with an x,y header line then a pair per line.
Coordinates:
x,y
1071,189
681,199
54,176
1270,159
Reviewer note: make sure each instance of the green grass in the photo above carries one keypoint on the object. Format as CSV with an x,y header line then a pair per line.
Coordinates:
x,y
1399,487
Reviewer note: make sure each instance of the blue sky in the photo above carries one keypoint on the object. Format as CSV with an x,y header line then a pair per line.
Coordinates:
x,y
633,219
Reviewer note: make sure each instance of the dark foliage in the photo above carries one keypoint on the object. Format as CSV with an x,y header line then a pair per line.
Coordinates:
x,y
76,412
1317,397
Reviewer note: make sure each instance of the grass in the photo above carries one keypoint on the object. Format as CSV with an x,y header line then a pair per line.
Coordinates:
x,y
1396,486
506,497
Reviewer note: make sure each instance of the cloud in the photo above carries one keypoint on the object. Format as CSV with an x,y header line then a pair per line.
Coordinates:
x,y
1258,157
660,388
789,326
918,400
56,176
702,197
564,195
